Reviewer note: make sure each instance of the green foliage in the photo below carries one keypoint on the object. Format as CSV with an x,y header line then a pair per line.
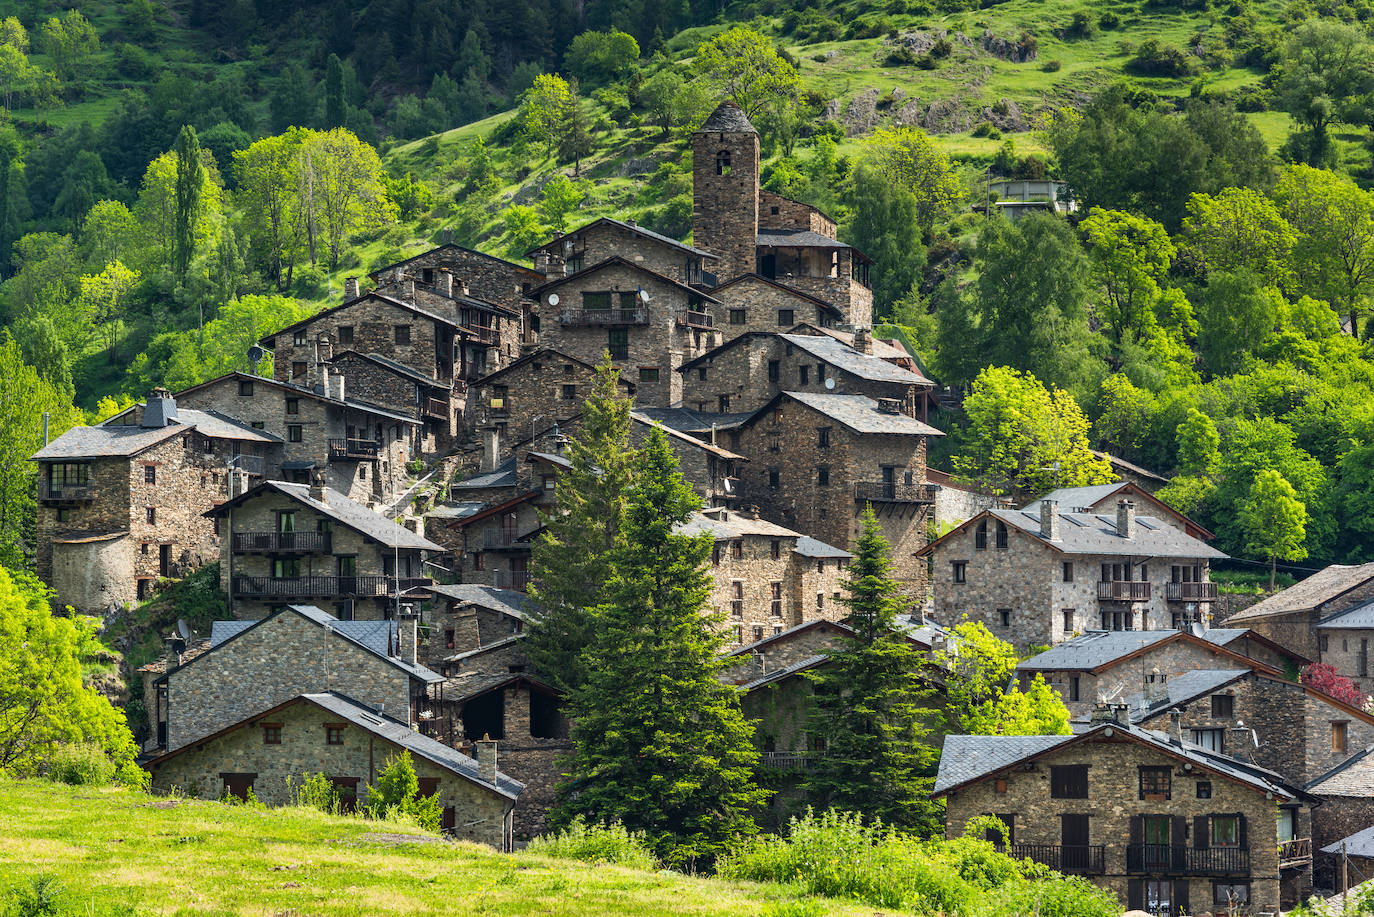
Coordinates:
x,y
316,791
742,65
81,764
907,158
610,844
885,225
190,180
559,200
599,57
1274,519
396,795
978,667
1325,67
42,896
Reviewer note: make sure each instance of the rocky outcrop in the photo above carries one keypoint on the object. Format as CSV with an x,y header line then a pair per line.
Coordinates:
x,y
1019,51
861,114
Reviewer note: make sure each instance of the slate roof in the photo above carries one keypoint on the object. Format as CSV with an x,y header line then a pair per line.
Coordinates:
x,y
797,238
1075,499
105,442
784,673
794,629
673,433
399,369
845,357
1320,587
860,414
1357,618
494,645
628,227
1352,777
1183,688
813,547
304,392
223,630
727,118
685,420
504,476
456,511
507,601
1094,649
370,294
1359,844
615,260
726,525
344,511
1087,533
422,746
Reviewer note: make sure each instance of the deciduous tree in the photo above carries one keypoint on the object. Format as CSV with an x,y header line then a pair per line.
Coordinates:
x,y
1324,677
742,65
978,667
1274,520
190,184
907,157
341,187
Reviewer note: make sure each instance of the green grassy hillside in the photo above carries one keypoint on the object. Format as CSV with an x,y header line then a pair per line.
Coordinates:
x,y
114,852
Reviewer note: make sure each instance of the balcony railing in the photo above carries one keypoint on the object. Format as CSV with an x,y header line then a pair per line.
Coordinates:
x,y
500,541
365,586
789,760
1081,859
1190,592
434,407
344,449
1122,591
283,542
698,320
604,317
1296,852
253,464
482,334
49,492
883,492
1187,861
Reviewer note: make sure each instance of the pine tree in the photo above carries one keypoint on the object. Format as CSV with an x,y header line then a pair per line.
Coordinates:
x,y
571,559
335,109
867,703
660,744
190,179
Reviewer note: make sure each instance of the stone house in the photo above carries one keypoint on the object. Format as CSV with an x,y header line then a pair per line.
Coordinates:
x,y
120,505
252,665
1343,641
648,322
752,303
488,278
490,334
604,238
1347,808
1290,616
288,542
1041,578
362,449
748,371
712,470
382,381
1166,825
330,733
468,616
817,460
1103,498
1107,666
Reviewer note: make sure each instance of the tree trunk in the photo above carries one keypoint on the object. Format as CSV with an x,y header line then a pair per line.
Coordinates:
x,y
1273,567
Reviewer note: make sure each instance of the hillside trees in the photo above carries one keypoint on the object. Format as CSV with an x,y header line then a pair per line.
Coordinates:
x,y
1333,224
907,157
1274,520
545,108
341,189
190,182
268,179
978,668
69,41
742,65
884,224
1325,66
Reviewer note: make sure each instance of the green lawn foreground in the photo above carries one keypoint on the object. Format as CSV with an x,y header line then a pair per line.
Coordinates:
x,y
117,852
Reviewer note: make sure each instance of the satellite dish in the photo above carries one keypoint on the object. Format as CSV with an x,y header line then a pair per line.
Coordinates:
x,y
829,383
184,629
643,295
256,353
553,299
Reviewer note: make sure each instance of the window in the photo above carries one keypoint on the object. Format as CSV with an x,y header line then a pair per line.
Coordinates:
x,y
803,375
775,549
1068,571
737,317
1000,786
294,433
208,447
298,369
596,301
1002,536
820,601
737,549
776,607
286,567
402,334
1154,782
723,162
1339,733
570,393
758,632
1223,706
648,374
1322,644
787,317
271,733
1075,689
701,373
293,405
774,370
286,522
1204,789
959,571
823,476
345,334
980,536
333,735
618,343
149,474
1068,614
258,425
715,555
67,474
298,338
736,599
151,515
449,637
738,631
823,437
245,388
1069,781
1230,895
64,514
1210,739
723,404
1004,617
773,480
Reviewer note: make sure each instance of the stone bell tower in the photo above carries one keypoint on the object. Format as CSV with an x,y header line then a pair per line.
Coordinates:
x,y
725,191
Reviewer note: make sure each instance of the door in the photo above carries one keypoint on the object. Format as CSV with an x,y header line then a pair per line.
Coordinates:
x,y
1074,839
164,559
238,785
449,820
1157,831
889,481
286,530
519,573
348,574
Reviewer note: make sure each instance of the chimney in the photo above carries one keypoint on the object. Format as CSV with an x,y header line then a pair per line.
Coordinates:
x,y
351,289
317,488
632,223
1176,726
863,340
541,262
1156,687
176,646
1241,743
1125,518
1049,519
238,482
408,290
1102,713
409,634
446,282
889,405
485,753
491,448
160,409
321,374
335,389
324,348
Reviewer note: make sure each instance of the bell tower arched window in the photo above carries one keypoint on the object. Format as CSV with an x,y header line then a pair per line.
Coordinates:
x,y
723,162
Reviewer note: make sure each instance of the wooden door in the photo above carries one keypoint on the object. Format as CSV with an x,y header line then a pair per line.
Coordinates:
x,y
1074,838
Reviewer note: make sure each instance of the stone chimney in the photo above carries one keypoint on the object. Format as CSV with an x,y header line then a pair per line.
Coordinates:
x,y
1156,687
1105,713
889,405
351,289
541,262
324,348
1125,518
160,409
1176,726
320,382
176,646
484,751
1241,743
863,340
336,386
408,290
238,482
634,223
317,488
446,282
408,636
491,448
1049,519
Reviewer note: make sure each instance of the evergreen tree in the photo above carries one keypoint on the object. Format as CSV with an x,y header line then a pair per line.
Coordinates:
x,y
335,109
571,559
867,702
190,176
660,743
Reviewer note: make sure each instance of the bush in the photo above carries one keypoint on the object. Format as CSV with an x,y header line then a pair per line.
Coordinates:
x,y
984,129
1051,66
396,797
1109,20
41,897
81,765
1157,58
611,843
1082,25
901,56
314,791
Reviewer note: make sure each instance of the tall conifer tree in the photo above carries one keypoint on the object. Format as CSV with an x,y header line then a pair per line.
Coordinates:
x,y
190,179
660,743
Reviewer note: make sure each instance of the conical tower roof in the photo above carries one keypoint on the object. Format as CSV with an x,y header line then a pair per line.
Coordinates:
x,y
728,118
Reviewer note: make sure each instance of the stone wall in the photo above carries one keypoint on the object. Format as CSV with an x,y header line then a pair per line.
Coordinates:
x,y
1337,818
778,212
270,664
598,241
479,813
532,761
1113,798
702,468
457,627
725,202
1349,650
782,709
548,388
492,279
843,291
765,307
755,573
367,325
92,575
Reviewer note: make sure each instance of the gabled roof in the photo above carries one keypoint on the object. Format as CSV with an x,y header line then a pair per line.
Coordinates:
x,y
390,365
728,118
491,509
1321,587
301,391
784,673
836,353
463,688
1182,688
790,290
1352,777
503,476
1225,636
342,510
627,227
1098,650
1358,618
449,246
685,420
724,525
378,724
969,759
617,261
794,630
803,238
858,413
1083,499
1082,533
542,354
882,348
812,547
1359,844
506,601
371,294
115,440
686,438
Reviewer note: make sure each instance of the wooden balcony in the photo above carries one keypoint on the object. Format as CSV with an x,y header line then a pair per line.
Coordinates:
x,y
789,760
483,335
884,492
1171,860
375,585
343,450
283,543
1081,860
1190,592
604,317
1123,591
434,407
701,320
1295,853
48,492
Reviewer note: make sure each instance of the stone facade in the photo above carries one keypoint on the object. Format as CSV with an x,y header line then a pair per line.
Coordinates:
x,y
457,626
778,212
725,193
1112,808
1291,621
1347,649
606,238
475,812
489,278
712,470
493,547
428,401
796,644
285,655
752,303
835,273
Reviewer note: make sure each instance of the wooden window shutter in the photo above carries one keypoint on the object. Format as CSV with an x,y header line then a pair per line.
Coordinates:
x,y
1202,833
1135,894
1242,831
1178,837
1180,902
1137,829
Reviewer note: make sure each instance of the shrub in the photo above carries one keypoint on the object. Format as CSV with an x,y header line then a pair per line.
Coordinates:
x,y
396,797
1157,58
1109,20
901,56
612,843
82,764
1051,66
941,49
314,791
1082,25
41,897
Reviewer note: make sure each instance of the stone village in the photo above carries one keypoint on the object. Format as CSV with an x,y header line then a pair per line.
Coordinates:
x,y
1201,775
